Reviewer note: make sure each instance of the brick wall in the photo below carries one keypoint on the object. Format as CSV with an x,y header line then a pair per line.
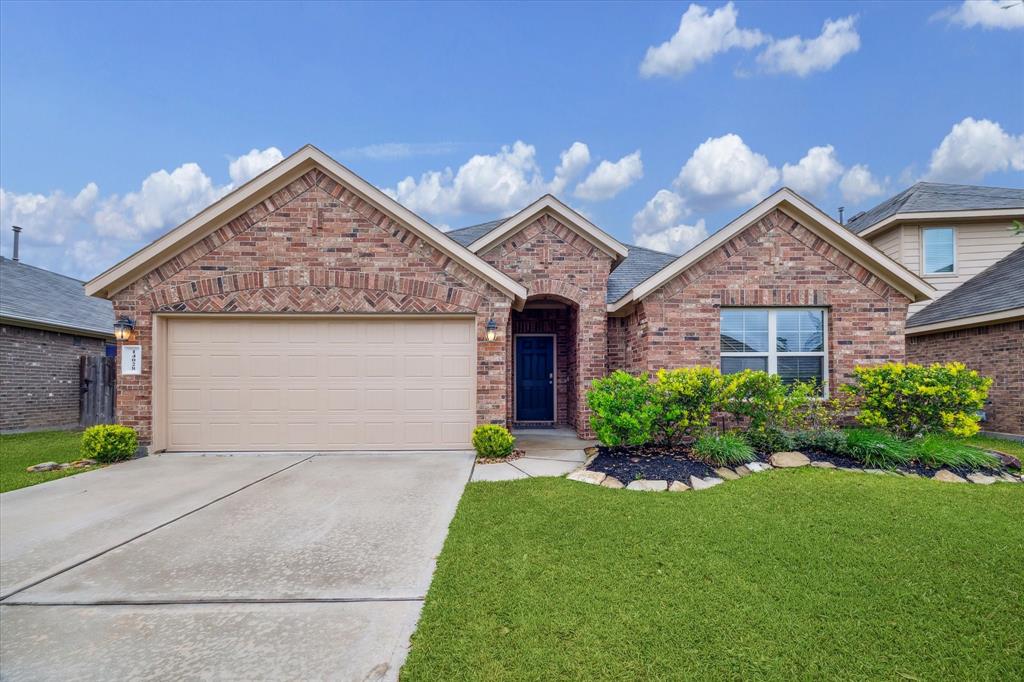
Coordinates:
x,y
313,247
996,351
39,386
774,262
551,260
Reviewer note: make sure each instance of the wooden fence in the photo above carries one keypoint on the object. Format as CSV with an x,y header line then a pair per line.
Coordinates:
x,y
97,381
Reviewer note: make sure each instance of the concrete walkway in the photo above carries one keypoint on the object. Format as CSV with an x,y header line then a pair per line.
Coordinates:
x,y
548,452
283,566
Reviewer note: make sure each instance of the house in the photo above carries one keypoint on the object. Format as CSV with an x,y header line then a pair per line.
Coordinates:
x,y
958,238
46,324
309,310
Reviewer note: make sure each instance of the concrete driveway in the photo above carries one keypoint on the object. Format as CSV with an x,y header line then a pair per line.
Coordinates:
x,y
187,566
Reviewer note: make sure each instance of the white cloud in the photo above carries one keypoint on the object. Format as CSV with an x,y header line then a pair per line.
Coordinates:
x,y
248,166
859,184
389,151
1007,14
803,56
699,38
572,162
814,173
47,219
724,170
658,224
608,179
973,149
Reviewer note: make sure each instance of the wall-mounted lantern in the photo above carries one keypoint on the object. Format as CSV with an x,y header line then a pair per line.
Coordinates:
x,y
492,329
123,328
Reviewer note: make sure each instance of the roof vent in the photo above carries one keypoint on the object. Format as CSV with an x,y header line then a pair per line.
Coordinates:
x,y
17,238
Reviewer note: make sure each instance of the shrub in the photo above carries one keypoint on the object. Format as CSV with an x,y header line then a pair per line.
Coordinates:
x,y
623,408
828,414
769,440
825,440
875,449
109,443
684,399
908,399
937,451
491,440
727,449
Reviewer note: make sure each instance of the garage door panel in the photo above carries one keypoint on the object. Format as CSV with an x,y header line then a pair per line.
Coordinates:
x,y
324,384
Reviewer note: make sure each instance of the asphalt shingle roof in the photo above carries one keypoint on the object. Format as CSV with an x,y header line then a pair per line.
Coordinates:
x,y
935,196
31,294
468,235
1000,287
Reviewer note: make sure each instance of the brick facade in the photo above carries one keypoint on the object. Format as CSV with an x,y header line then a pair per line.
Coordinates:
x,y
774,262
995,351
39,377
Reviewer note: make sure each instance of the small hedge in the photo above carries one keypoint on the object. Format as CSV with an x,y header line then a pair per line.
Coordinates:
x,y
492,441
109,443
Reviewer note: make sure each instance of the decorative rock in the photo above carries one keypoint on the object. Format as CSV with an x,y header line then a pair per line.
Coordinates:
x,y
947,476
612,482
853,469
704,483
742,470
1009,478
981,479
789,460
587,476
758,466
823,465
43,466
678,487
876,472
82,463
911,474
64,465
590,451
1007,459
727,474
648,486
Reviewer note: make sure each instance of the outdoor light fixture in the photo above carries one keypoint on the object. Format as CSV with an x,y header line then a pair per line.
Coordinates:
x,y
492,329
123,328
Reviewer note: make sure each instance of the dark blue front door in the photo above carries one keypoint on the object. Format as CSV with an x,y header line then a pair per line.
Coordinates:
x,y
535,379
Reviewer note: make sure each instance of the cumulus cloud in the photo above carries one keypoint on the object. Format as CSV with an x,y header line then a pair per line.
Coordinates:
x,y
723,171
814,173
82,235
572,162
859,184
609,178
658,225
1005,14
701,35
803,56
973,149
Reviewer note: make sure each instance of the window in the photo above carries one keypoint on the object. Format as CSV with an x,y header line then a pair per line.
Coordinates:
x,y
939,246
789,342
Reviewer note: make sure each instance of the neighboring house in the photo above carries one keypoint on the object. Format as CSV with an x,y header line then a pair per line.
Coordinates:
x,y
959,239
46,324
308,310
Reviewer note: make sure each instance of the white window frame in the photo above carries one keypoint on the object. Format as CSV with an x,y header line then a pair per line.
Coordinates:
x,y
924,260
773,354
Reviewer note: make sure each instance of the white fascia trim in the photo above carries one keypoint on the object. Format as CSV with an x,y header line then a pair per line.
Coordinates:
x,y
586,229
233,204
978,214
803,212
974,321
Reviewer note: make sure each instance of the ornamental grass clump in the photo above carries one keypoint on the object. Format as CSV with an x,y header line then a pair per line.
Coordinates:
x,y
876,449
727,449
937,451
909,400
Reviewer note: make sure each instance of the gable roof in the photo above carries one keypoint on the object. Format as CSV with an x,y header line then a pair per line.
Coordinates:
x,y
39,298
996,292
468,235
811,217
230,206
549,204
937,197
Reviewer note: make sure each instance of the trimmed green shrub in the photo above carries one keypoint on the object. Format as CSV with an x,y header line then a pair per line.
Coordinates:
x,y
825,440
623,409
909,400
491,440
727,449
937,451
684,399
769,440
876,449
108,443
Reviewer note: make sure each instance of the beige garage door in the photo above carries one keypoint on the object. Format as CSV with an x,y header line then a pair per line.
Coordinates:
x,y
320,383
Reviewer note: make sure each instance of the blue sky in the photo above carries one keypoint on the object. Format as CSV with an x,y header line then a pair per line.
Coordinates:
x,y
660,122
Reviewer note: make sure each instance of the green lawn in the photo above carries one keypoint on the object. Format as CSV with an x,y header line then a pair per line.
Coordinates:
x,y
1010,447
800,574
21,450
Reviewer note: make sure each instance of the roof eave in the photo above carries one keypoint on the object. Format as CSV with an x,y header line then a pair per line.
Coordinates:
x,y
51,326
1008,315
916,216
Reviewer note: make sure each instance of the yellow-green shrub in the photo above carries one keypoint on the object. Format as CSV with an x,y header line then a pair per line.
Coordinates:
x,y
908,399
685,399
491,440
109,443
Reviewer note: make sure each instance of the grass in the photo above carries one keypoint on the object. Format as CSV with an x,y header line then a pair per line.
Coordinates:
x,y
21,450
799,574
